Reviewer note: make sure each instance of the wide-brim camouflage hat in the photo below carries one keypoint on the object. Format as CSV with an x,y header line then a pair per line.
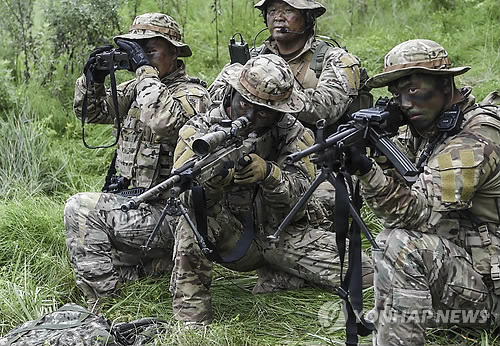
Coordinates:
x,y
150,25
317,8
415,56
266,80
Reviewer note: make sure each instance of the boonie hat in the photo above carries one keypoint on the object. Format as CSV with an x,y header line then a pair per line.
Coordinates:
x,y
267,80
312,5
415,56
149,25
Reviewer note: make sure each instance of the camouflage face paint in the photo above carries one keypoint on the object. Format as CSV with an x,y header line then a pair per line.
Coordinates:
x,y
422,98
161,54
261,118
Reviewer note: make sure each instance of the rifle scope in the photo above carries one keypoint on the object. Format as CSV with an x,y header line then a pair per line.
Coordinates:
x,y
210,141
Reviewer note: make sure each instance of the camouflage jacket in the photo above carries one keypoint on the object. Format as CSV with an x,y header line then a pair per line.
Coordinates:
x,y
458,190
153,111
273,197
329,96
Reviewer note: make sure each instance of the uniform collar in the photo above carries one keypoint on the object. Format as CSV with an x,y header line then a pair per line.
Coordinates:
x,y
180,72
468,101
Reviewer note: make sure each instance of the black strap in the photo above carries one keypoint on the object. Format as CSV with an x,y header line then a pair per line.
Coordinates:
x,y
110,174
351,286
126,333
89,78
318,57
201,232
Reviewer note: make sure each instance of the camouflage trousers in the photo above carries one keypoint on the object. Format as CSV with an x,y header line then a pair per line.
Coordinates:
x,y
104,242
325,194
424,280
304,252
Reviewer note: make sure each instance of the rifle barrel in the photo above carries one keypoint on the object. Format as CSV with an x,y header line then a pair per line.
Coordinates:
x,y
329,142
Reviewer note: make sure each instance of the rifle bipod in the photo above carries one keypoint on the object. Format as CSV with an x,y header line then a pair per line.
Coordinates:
x,y
326,173
174,207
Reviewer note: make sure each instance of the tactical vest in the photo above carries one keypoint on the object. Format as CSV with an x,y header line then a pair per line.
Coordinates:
x,y
477,233
141,155
238,198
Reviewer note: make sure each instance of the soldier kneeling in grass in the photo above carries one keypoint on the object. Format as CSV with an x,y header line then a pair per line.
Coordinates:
x,y
255,196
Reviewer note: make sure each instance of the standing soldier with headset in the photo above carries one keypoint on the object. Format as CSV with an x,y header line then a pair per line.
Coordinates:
x,y
104,243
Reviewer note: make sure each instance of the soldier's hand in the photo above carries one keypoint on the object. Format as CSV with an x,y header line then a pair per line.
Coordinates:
x,y
255,169
222,179
395,119
136,54
356,162
97,76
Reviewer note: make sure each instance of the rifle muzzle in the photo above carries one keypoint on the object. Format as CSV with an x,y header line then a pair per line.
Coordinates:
x,y
129,205
207,143
210,141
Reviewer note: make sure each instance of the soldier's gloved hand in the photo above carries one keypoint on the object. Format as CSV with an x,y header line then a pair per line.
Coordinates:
x,y
222,179
255,169
356,162
97,76
136,54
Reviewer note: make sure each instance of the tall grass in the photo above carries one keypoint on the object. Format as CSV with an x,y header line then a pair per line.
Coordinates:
x,y
35,274
24,146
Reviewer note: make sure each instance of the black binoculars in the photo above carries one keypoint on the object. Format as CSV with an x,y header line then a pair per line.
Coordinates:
x,y
114,58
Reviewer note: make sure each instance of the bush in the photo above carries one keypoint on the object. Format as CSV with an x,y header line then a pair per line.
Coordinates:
x,y
7,88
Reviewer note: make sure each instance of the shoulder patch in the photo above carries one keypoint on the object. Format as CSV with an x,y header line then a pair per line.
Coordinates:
x,y
194,98
346,67
457,171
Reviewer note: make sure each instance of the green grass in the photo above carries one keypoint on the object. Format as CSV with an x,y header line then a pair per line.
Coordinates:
x,y
43,162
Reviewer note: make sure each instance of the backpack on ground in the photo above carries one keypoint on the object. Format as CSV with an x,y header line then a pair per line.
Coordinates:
x,y
74,325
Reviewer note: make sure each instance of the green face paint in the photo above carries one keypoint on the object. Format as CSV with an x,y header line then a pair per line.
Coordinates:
x,y
421,97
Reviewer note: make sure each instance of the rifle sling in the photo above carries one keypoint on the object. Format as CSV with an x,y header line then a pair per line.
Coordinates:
x,y
207,247
350,290
114,97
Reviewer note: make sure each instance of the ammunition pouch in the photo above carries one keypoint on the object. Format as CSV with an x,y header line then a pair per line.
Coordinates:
x,y
483,244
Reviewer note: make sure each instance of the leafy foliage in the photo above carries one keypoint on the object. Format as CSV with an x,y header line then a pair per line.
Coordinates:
x,y
19,26
74,26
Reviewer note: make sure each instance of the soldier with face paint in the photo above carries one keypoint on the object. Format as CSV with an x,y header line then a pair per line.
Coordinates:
x,y
256,196
104,243
440,254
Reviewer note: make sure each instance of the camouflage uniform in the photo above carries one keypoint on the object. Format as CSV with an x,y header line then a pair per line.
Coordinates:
x,y
441,249
306,249
104,242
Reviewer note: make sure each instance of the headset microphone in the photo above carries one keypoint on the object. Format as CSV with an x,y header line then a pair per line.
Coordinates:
x,y
286,31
